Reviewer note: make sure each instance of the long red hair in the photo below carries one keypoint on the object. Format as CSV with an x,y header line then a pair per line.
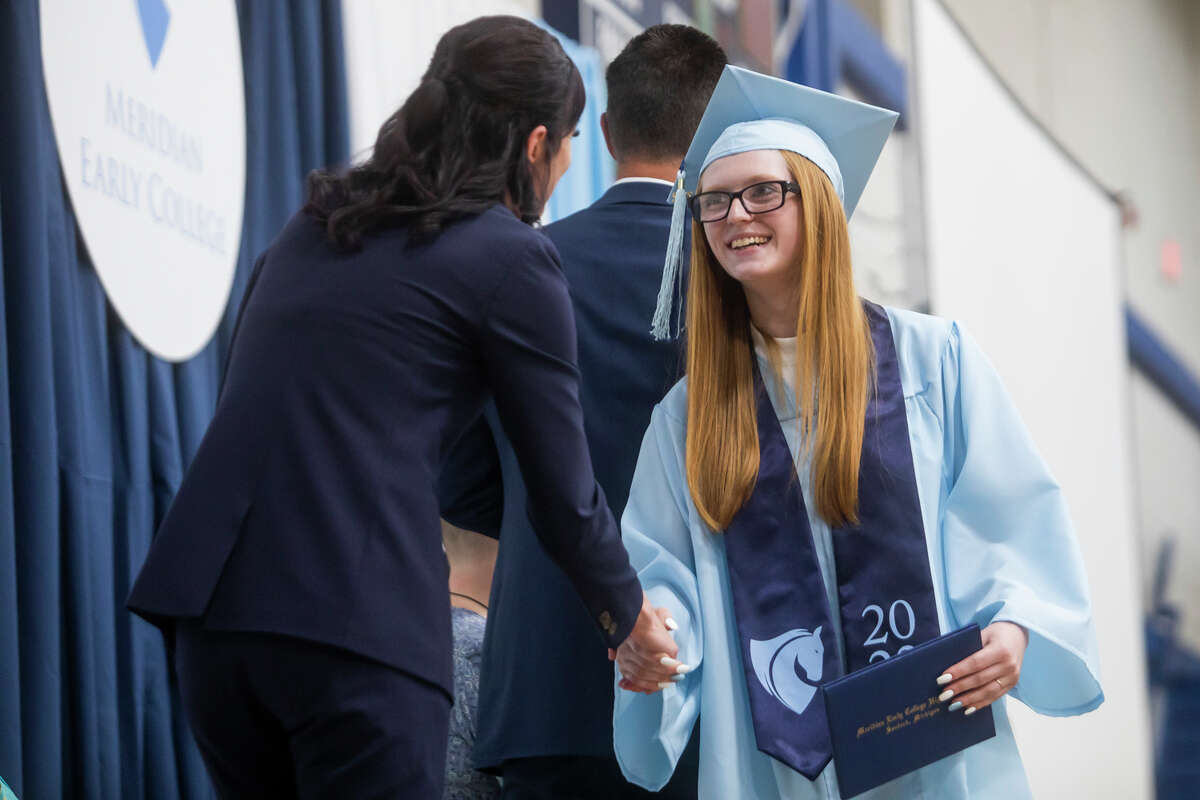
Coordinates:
x,y
834,366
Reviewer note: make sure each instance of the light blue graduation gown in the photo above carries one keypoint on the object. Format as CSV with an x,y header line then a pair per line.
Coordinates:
x,y
1001,547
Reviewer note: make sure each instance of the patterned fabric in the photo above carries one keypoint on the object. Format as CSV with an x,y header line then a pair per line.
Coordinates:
x,y
463,782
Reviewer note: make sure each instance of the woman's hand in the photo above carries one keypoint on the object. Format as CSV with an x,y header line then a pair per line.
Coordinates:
x,y
984,677
647,657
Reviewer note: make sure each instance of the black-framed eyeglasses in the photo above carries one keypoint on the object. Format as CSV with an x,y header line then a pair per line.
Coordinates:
x,y
757,198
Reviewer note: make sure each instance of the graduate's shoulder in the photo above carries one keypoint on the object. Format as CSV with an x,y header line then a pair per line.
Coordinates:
x,y
921,344
672,409
919,331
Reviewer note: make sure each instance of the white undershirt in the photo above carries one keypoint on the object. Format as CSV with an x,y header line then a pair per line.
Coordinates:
x,y
787,357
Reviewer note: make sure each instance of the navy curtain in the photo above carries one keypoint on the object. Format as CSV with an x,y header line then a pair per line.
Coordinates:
x,y
95,433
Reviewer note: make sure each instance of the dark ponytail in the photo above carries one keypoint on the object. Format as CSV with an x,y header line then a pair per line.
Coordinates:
x,y
457,145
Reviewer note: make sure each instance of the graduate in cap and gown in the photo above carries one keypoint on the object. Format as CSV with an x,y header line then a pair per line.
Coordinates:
x,y
832,483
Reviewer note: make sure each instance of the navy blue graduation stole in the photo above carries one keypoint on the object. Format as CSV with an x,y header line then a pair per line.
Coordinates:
x,y
885,589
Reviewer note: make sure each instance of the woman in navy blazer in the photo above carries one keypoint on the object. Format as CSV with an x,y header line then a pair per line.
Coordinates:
x,y
300,565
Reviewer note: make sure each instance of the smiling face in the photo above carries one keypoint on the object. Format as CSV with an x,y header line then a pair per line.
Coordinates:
x,y
760,251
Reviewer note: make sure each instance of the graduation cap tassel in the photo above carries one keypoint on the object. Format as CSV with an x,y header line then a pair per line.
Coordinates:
x,y
661,324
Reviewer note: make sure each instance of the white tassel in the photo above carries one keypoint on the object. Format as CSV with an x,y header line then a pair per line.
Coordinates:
x,y
660,326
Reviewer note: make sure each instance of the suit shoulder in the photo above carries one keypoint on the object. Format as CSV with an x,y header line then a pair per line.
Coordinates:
x,y
301,233
496,242
567,231
499,225
569,222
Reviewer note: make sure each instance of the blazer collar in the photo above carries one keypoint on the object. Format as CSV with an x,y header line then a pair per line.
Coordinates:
x,y
637,192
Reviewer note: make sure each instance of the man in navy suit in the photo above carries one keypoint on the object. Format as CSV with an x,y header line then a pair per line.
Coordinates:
x,y
546,692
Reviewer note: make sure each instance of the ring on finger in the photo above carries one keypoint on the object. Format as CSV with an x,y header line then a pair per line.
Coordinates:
x,y
998,683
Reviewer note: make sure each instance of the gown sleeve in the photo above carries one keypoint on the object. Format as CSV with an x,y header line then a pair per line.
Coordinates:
x,y
1009,545
530,359
651,731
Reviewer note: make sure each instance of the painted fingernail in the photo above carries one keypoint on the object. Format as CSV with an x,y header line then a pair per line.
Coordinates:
x,y
671,624
956,705
677,678
665,684
683,669
667,661
943,680
946,695
970,710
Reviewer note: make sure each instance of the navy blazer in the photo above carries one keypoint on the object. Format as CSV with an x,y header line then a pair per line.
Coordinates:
x,y
310,508
547,686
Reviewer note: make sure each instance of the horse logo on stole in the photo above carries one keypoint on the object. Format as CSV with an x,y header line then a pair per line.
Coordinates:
x,y
777,663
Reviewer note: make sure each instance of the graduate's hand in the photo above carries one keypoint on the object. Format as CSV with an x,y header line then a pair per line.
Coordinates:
x,y
665,616
647,657
984,677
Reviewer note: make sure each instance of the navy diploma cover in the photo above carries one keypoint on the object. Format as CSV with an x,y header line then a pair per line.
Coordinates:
x,y
886,721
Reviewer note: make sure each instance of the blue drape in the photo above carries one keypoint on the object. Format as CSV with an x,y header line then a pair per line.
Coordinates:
x,y
592,168
95,433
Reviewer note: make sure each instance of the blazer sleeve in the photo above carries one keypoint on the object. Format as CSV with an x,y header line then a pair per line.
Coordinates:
x,y
471,483
529,348
1010,548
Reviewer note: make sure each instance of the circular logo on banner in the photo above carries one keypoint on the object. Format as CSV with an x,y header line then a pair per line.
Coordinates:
x,y
147,104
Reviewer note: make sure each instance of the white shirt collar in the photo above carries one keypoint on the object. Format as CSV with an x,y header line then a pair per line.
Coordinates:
x,y
642,180
787,368
787,346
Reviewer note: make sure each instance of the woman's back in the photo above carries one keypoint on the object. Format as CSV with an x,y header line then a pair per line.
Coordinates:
x,y
304,540
350,375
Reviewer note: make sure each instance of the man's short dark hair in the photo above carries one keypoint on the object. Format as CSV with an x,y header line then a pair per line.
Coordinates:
x,y
658,88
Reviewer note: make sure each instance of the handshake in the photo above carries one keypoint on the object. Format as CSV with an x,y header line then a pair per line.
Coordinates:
x,y
647,656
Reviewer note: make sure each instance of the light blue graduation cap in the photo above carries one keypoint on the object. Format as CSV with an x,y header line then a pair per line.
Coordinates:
x,y
750,111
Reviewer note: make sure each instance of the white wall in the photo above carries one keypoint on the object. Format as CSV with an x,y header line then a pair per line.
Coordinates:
x,y
884,230
1025,250
1169,505
1118,82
